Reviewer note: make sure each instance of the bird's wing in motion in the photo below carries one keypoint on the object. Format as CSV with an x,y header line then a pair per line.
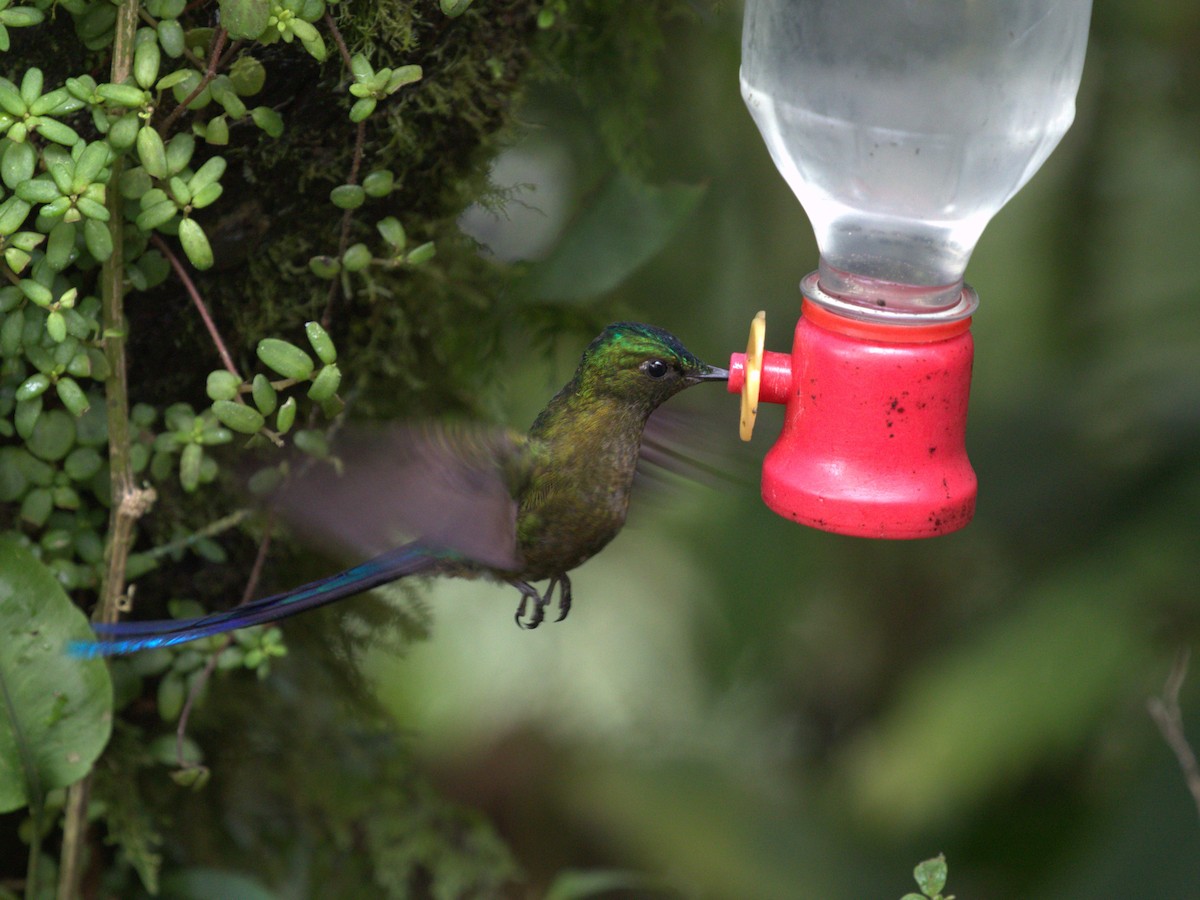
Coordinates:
x,y
687,443
126,637
449,486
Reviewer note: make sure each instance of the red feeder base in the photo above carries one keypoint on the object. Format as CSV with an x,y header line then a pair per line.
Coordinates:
x,y
873,443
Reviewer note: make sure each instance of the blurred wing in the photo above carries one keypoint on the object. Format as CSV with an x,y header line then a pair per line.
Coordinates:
x,y
686,443
449,486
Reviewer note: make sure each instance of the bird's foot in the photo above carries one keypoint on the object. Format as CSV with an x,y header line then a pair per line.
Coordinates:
x,y
528,593
540,601
564,596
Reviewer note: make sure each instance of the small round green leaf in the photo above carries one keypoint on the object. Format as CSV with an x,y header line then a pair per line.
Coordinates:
x,y
72,396
26,417
98,239
156,215
13,213
216,132
222,385
123,132
362,108
189,469
152,152
356,258
195,244
238,416
379,183
206,196
54,130
53,435
326,383
127,95
37,190
324,266
264,394
56,326
21,16
268,120
321,342
36,292
17,164
247,75
312,442
348,196
244,19
392,231
33,386
82,463
146,59
179,152
60,248
170,37
421,254
208,174
285,358
31,84
930,875
287,416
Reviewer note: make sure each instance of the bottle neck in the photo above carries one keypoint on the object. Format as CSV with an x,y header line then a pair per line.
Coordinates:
x,y
886,302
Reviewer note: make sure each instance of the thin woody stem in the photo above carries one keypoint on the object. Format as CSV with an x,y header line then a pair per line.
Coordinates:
x,y
210,72
360,139
1168,717
197,301
129,502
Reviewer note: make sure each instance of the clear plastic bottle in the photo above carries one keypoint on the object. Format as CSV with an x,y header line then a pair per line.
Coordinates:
x,y
904,125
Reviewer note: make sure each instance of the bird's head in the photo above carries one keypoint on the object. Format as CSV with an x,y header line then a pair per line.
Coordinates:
x,y
641,363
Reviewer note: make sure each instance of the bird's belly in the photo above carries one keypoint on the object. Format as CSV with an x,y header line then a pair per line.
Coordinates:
x,y
572,532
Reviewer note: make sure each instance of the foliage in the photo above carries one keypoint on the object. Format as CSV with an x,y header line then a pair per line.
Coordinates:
x,y
312,155
55,719
930,876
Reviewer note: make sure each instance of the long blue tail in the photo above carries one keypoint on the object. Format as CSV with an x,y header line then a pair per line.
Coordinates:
x,y
127,637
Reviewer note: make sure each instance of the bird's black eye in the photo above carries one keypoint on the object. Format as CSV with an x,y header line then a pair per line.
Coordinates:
x,y
655,368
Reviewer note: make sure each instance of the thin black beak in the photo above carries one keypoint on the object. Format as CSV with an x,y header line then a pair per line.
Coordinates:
x,y
712,373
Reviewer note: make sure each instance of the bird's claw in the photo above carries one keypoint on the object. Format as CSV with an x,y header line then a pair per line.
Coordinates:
x,y
564,597
540,601
535,618
529,592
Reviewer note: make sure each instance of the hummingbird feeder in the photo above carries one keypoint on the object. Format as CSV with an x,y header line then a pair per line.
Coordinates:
x,y
902,126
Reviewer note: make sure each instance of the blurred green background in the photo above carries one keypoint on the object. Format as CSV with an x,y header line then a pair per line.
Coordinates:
x,y
752,709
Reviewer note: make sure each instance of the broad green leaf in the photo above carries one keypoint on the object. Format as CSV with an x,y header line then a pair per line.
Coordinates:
x,y
55,709
627,224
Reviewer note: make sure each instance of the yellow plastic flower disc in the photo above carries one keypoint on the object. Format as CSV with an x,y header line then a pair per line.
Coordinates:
x,y
753,376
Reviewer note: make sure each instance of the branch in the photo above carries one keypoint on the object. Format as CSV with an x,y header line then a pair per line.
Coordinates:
x,y
212,529
1167,715
214,59
198,301
360,138
128,501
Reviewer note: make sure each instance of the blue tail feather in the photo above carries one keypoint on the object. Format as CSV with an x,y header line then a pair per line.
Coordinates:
x,y
127,637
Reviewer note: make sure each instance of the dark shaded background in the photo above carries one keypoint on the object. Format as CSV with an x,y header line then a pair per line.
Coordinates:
x,y
752,709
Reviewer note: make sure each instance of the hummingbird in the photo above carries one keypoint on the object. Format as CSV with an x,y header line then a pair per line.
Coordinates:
x,y
493,502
